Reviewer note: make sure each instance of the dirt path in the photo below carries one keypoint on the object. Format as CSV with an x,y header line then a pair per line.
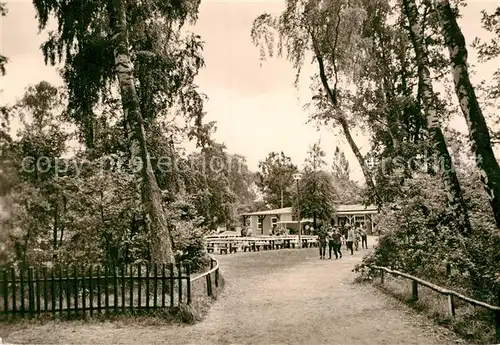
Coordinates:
x,y
275,297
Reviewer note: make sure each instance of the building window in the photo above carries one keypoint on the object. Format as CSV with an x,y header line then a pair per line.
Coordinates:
x,y
259,224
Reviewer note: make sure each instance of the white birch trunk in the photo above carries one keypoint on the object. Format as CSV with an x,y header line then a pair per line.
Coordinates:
x,y
159,236
479,133
452,186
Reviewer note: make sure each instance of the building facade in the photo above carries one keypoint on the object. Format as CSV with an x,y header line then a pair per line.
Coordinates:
x,y
264,222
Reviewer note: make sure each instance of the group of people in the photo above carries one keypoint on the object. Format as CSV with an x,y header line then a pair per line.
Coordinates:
x,y
333,238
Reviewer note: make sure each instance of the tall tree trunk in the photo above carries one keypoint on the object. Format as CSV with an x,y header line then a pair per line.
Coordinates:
x,y
159,235
364,167
331,93
478,130
452,186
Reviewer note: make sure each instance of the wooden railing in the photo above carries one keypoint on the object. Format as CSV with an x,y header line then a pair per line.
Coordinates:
x,y
214,269
452,295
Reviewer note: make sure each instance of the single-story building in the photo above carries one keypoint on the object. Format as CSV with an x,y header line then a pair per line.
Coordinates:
x,y
262,222
357,215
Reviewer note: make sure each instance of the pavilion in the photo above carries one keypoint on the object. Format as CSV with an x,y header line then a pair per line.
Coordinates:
x,y
262,222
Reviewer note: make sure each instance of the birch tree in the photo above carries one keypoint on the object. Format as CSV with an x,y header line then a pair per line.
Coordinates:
x,y
452,186
330,32
97,33
479,133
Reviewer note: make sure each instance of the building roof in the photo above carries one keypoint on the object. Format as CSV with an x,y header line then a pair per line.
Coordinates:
x,y
340,209
274,212
355,209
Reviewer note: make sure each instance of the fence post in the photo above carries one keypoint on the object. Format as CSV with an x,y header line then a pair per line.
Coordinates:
x,y
45,291
5,291
84,291
91,292
171,283
188,284
139,286
106,289
31,292
99,290
217,278
155,286
60,286
123,275
147,286
163,282
37,282
209,285
13,275
179,269
131,287
414,290
451,305
382,276
21,285
53,290
75,286
115,289
68,292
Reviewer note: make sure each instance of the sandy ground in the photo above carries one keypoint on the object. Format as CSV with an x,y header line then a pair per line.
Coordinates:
x,y
272,297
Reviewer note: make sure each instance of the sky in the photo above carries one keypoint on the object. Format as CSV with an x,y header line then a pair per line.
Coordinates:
x,y
255,104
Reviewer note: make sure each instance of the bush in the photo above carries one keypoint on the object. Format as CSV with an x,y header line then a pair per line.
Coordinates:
x,y
421,238
189,245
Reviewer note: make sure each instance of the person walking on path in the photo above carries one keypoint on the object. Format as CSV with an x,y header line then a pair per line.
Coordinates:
x,y
364,238
322,243
337,244
331,245
350,239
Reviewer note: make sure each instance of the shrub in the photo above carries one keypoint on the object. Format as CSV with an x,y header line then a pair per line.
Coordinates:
x,y
189,245
421,237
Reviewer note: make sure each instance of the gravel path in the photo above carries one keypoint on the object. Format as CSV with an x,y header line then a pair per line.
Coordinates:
x,y
272,297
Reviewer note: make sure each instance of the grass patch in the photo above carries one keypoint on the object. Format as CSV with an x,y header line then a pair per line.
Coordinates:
x,y
473,324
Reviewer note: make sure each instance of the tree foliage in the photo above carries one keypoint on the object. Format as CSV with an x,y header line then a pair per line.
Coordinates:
x,y
275,178
75,210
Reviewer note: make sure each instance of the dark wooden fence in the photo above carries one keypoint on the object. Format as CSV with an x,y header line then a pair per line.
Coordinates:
x,y
452,295
94,290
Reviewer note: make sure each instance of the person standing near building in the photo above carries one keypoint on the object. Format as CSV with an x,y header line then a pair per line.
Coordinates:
x,y
364,238
350,239
357,238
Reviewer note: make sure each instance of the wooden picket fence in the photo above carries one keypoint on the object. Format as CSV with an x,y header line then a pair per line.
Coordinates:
x,y
93,290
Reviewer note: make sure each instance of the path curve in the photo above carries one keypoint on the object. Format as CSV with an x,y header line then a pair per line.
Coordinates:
x,y
273,297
